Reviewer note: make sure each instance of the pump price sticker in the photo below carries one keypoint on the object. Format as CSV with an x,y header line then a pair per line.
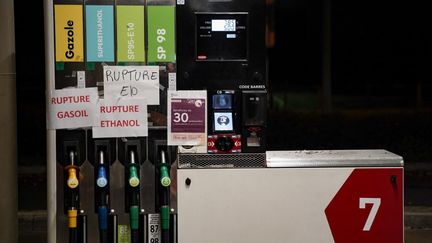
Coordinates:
x,y
154,228
187,116
72,108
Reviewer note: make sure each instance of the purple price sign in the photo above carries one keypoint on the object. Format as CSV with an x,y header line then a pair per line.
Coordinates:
x,y
188,115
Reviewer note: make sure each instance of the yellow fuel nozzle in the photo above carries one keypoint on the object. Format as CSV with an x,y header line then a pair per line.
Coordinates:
x,y
72,181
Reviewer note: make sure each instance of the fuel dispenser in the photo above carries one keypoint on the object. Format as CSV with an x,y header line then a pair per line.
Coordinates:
x,y
128,184
240,192
107,188
228,59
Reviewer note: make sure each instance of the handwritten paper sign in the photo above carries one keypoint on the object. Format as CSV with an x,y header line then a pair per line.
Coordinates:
x,y
187,117
121,118
72,108
132,82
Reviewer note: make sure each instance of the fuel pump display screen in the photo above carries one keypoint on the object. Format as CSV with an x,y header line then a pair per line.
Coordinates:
x,y
223,121
227,25
221,36
222,101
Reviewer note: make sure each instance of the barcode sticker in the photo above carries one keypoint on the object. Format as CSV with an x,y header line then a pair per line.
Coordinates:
x,y
81,80
172,81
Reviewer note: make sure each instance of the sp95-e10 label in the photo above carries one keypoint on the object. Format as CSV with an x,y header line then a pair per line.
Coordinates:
x,y
130,34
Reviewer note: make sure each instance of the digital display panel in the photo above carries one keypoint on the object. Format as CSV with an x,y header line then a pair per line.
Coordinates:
x,y
222,101
227,25
221,36
223,121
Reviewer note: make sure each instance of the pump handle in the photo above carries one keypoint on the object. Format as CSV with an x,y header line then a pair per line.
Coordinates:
x,y
164,171
133,171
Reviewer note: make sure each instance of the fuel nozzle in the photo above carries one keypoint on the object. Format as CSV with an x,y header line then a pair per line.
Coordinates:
x,y
102,196
72,170
102,179
164,191
164,171
133,171
72,183
133,194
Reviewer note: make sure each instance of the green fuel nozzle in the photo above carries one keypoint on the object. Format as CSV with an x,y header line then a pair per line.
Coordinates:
x,y
164,171
133,171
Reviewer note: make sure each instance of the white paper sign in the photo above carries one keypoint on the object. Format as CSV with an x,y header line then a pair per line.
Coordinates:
x,y
187,117
132,82
121,118
72,108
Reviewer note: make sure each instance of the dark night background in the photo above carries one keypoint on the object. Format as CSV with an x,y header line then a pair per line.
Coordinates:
x,y
381,86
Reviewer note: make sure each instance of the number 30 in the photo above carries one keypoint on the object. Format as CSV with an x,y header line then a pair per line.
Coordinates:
x,y
180,117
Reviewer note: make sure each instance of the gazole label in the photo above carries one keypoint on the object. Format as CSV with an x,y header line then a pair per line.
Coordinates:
x,y
100,33
161,44
130,34
69,33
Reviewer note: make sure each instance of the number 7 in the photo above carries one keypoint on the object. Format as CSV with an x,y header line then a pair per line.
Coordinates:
x,y
376,202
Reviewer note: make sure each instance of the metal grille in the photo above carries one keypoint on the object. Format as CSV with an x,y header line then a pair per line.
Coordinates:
x,y
253,160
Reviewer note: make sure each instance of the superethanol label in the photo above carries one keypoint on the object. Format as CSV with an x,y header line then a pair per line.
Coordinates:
x,y
161,35
100,33
154,232
130,34
69,42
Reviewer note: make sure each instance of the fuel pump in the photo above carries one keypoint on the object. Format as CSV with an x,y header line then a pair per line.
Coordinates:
x,y
117,191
